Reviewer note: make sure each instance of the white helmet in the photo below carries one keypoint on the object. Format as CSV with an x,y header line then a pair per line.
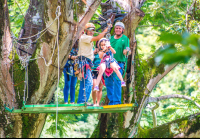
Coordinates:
x,y
120,24
99,42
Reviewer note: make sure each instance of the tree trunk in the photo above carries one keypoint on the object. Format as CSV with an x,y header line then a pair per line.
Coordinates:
x,y
42,69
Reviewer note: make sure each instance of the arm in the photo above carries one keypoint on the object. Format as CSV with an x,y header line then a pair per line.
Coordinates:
x,y
102,52
112,50
127,50
72,57
109,47
101,35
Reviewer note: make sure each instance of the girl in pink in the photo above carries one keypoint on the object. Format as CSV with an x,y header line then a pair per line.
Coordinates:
x,y
108,63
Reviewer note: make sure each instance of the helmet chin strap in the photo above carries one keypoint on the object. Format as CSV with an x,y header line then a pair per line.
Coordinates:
x,y
119,34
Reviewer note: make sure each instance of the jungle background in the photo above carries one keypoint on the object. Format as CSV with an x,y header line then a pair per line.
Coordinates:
x,y
163,20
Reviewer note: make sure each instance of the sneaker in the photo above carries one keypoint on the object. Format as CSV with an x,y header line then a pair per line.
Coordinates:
x,y
96,88
123,84
94,105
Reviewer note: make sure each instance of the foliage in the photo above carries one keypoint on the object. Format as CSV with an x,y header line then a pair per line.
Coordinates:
x,y
169,22
179,48
170,15
17,11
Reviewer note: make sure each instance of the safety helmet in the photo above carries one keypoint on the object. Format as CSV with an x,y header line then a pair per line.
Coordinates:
x,y
120,24
89,26
102,39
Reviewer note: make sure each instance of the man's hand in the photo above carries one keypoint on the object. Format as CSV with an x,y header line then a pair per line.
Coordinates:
x,y
74,57
96,50
127,50
109,25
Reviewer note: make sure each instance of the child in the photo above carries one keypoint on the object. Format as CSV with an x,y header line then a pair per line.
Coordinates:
x,y
108,63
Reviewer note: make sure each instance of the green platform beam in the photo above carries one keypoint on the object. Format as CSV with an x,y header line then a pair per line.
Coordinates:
x,y
72,108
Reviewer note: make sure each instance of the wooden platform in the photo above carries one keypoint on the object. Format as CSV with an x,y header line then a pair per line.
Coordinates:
x,y
72,108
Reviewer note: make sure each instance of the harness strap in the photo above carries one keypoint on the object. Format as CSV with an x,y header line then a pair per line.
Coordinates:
x,y
86,66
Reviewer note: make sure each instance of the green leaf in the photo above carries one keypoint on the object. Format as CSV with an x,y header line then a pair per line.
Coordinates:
x,y
170,38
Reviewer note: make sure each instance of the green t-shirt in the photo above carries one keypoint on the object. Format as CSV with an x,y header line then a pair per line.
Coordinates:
x,y
119,45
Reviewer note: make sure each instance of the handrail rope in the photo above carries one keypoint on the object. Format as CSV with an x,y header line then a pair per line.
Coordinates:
x,y
38,32
27,82
24,86
13,56
58,13
50,61
22,59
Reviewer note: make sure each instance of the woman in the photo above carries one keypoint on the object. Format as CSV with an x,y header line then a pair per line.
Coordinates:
x,y
70,79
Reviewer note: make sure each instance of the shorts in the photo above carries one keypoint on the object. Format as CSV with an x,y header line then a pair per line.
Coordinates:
x,y
95,74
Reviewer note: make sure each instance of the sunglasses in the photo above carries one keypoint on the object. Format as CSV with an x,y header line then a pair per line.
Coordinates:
x,y
91,29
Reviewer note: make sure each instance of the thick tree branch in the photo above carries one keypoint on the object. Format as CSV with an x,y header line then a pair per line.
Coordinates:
x,y
154,81
157,99
154,113
86,18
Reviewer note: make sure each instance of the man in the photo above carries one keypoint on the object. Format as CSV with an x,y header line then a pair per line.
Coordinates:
x,y
86,57
120,43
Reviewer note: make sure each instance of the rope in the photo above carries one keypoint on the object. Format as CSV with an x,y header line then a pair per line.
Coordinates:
x,y
50,61
44,30
23,59
58,13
